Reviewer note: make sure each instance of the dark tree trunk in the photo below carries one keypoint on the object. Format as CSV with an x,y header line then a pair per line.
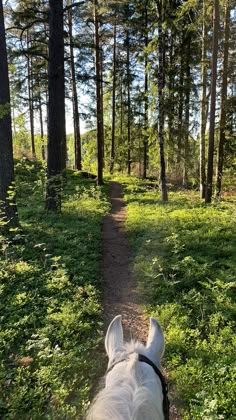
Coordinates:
x,y
76,119
187,105
98,97
113,127
223,101
102,110
170,110
128,101
30,98
56,106
41,127
163,186
121,137
180,117
145,140
8,210
213,103
203,108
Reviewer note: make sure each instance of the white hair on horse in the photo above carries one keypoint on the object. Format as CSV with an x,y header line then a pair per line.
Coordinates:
x,y
133,390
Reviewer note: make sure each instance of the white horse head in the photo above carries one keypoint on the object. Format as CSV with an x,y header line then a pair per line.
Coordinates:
x,y
134,386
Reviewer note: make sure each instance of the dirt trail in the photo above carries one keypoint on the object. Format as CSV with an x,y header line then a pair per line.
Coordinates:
x,y
120,293
120,290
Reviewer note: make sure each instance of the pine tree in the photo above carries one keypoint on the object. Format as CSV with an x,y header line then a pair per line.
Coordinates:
x,y
56,106
8,210
213,103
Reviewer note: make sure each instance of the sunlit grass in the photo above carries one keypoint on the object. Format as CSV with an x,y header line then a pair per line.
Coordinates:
x,y
50,306
184,261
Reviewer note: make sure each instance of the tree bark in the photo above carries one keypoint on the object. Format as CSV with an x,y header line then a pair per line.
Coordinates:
x,y
41,127
187,105
213,102
128,102
113,127
30,97
145,140
56,106
8,210
98,98
203,108
180,116
76,119
102,108
163,186
223,101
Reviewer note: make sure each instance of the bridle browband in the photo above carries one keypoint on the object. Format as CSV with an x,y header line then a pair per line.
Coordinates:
x,y
142,358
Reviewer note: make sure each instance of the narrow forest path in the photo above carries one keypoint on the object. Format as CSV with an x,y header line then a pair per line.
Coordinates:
x,y
120,294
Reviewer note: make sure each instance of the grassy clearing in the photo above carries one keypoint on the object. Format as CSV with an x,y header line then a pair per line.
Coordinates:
x,y
50,312
184,256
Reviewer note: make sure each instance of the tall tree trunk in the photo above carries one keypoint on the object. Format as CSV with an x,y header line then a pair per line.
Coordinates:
x,y
41,127
8,210
128,101
170,110
145,139
213,103
76,119
180,117
187,105
98,97
203,108
121,118
113,127
102,108
56,106
163,186
223,101
30,97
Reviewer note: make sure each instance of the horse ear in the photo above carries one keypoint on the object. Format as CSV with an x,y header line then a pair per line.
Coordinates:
x,y
155,342
114,337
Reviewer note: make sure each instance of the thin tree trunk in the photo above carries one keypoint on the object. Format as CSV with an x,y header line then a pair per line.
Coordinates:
x,y
98,98
121,118
145,140
223,101
186,119
213,103
102,108
41,127
203,108
170,110
113,127
163,186
180,116
128,101
30,98
56,106
8,210
76,119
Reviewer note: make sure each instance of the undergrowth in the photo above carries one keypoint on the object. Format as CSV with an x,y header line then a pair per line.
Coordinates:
x,y
184,257
50,314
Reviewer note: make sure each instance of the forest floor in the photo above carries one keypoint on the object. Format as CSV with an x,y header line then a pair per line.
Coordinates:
x,y
120,295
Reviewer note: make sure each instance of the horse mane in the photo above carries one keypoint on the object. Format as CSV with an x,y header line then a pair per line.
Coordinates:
x,y
128,399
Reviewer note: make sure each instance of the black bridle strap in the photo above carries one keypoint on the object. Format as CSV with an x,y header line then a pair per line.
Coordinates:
x,y
142,358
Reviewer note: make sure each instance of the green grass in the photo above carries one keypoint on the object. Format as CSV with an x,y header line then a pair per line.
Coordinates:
x,y
184,260
50,313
